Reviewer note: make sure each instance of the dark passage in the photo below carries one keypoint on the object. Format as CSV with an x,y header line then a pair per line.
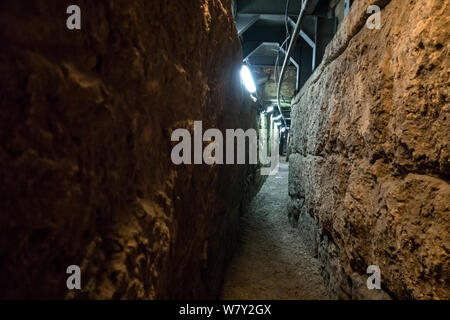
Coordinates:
x,y
134,134
271,260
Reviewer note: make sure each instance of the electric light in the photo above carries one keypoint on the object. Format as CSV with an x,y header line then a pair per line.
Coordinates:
x,y
247,78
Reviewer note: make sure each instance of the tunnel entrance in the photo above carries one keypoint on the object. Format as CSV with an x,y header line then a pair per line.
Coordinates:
x,y
271,261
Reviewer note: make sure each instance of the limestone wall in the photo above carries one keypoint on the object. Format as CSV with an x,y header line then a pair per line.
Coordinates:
x,y
369,163
85,142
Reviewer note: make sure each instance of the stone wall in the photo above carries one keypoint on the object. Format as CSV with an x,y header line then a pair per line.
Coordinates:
x,y
369,179
85,143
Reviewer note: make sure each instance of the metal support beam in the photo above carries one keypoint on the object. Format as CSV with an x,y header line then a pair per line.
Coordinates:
x,y
245,20
314,57
307,39
303,34
347,7
289,52
265,16
251,19
251,53
325,33
295,63
248,22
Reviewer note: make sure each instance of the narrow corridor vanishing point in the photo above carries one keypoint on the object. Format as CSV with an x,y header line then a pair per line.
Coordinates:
x,y
271,260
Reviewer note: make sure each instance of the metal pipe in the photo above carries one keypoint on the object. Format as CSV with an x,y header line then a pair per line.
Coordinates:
x,y
289,54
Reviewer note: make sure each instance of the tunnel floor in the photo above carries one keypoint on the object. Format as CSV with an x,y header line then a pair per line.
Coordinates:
x,y
271,261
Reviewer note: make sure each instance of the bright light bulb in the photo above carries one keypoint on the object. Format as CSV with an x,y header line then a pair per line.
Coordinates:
x,y
246,76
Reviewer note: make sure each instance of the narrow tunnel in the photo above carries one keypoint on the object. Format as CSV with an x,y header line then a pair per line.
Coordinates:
x,y
225,150
271,260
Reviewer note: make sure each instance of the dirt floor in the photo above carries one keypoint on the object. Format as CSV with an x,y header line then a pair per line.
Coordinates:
x,y
272,261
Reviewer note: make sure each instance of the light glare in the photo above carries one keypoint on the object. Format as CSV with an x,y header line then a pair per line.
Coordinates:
x,y
248,79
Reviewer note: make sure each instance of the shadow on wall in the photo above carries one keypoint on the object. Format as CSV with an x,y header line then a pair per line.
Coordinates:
x,y
85,148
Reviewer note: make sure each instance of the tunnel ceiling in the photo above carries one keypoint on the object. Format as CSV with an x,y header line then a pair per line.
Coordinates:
x,y
261,25
271,6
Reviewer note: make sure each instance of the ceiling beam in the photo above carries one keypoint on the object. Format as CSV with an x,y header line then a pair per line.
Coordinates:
x,y
244,23
245,20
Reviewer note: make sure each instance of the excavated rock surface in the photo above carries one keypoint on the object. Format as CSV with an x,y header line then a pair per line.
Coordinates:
x,y
265,79
86,175
369,169
271,261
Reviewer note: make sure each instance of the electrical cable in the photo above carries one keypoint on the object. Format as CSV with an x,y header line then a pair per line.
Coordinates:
x,y
286,19
290,50
288,36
